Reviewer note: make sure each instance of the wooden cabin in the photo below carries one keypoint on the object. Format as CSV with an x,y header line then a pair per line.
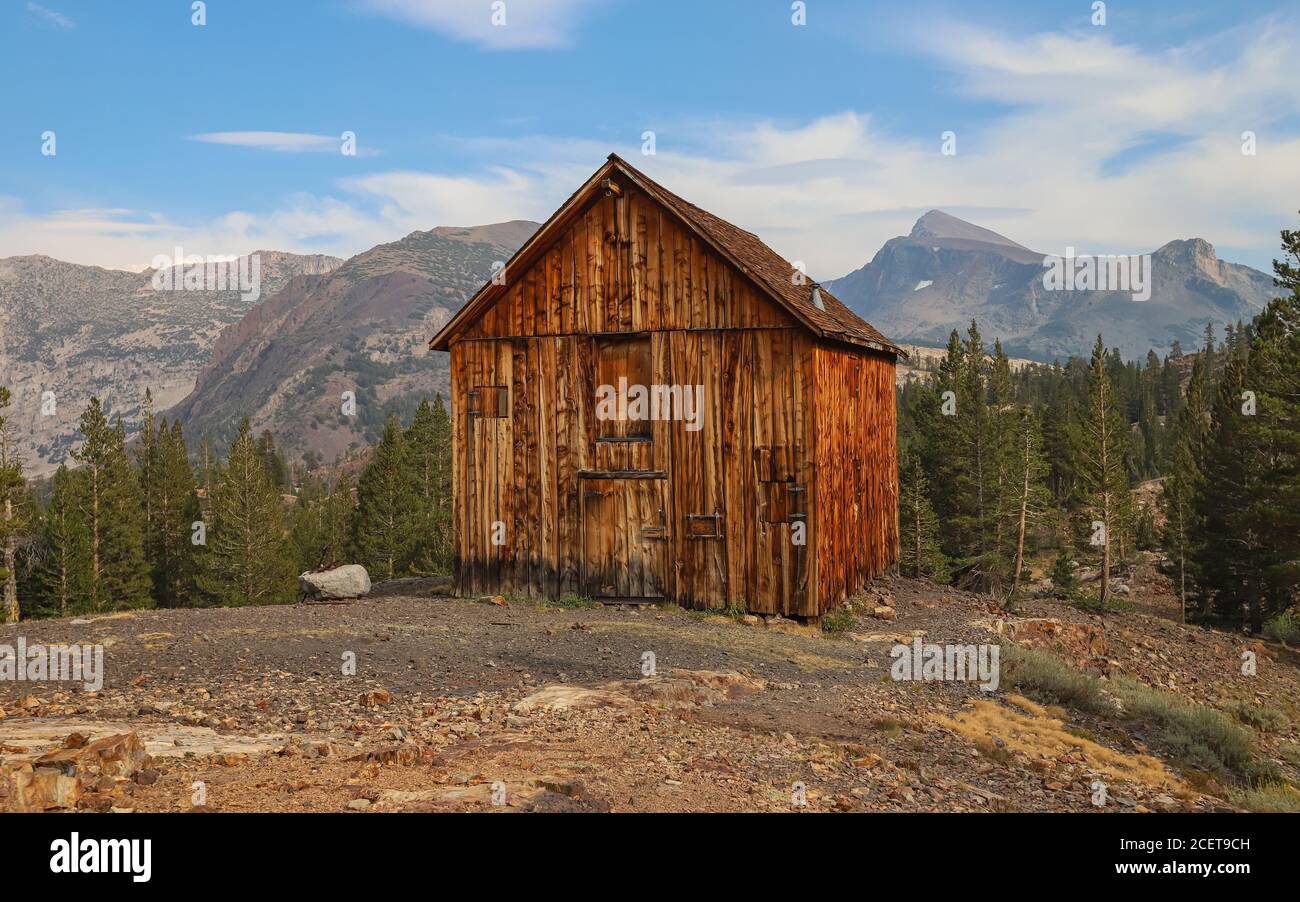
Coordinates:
x,y
758,466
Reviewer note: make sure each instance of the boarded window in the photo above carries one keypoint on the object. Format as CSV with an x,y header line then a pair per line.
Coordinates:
x,y
489,401
704,526
783,502
624,380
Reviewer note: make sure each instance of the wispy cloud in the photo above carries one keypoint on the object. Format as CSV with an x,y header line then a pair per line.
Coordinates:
x,y
50,15
281,142
506,25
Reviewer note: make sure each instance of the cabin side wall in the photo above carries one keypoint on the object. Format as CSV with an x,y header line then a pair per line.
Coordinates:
x,y
856,510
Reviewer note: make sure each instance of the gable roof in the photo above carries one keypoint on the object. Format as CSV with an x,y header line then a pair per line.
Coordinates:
x,y
767,269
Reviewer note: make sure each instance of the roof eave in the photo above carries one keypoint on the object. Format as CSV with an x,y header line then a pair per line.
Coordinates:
x,y
467,313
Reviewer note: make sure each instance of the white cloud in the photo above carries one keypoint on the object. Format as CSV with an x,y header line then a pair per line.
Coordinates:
x,y
51,16
509,25
282,142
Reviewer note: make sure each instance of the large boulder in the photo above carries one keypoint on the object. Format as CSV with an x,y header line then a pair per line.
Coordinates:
x,y
348,581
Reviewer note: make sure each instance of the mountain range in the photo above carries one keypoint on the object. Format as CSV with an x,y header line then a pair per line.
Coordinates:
x,y
69,332
326,327
362,328
947,271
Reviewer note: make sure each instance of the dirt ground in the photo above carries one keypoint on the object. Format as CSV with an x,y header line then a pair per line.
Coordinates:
x,y
463,704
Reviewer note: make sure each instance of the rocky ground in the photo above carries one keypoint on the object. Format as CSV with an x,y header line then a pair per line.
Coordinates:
x,y
459,704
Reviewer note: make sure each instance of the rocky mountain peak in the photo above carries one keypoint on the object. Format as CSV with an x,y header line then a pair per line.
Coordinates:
x,y
1196,253
939,225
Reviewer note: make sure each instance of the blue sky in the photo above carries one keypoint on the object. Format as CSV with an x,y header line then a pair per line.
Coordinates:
x,y
824,138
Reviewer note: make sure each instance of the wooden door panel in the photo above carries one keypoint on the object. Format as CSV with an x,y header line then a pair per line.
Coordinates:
x,y
624,537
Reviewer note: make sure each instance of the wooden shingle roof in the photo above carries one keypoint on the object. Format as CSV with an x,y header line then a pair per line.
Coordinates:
x,y
769,271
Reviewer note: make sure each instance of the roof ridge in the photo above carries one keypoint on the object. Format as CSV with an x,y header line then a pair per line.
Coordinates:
x,y
745,250
837,320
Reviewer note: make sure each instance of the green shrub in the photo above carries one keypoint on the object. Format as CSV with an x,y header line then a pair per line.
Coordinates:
x,y
1047,678
1063,579
1261,717
564,602
1285,627
1193,734
1199,736
1270,797
838,620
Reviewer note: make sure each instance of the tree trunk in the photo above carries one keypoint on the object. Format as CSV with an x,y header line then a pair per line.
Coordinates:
x,y
1182,564
1105,551
11,611
916,562
95,588
1024,513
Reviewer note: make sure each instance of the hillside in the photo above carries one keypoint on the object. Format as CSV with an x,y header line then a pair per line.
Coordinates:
x,y
363,328
82,331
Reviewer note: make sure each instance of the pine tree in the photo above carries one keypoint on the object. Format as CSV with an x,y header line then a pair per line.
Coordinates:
x,y
1102,483
1005,457
175,510
1063,579
14,515
1061,430
958,450
1190,433
1273,511
1028,493
919,551
1230,558
428,462
113,510
63,575
320,523
248,560
147,462
276,468
1249,551
209,474
381,523
938,424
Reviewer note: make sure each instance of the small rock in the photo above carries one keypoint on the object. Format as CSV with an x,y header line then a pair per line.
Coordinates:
x,y
374,698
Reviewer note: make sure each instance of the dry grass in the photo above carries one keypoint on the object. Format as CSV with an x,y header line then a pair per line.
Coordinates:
x,y
1034,733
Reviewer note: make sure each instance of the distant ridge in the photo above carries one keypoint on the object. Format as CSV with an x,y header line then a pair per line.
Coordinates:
x,y
80,331
363,328
946,272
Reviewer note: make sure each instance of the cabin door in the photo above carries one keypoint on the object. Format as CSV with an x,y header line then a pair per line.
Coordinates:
x,y
624,538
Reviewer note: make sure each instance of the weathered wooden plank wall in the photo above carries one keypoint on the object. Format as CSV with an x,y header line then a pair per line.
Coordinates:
x,y
524,471
625,265
857,471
